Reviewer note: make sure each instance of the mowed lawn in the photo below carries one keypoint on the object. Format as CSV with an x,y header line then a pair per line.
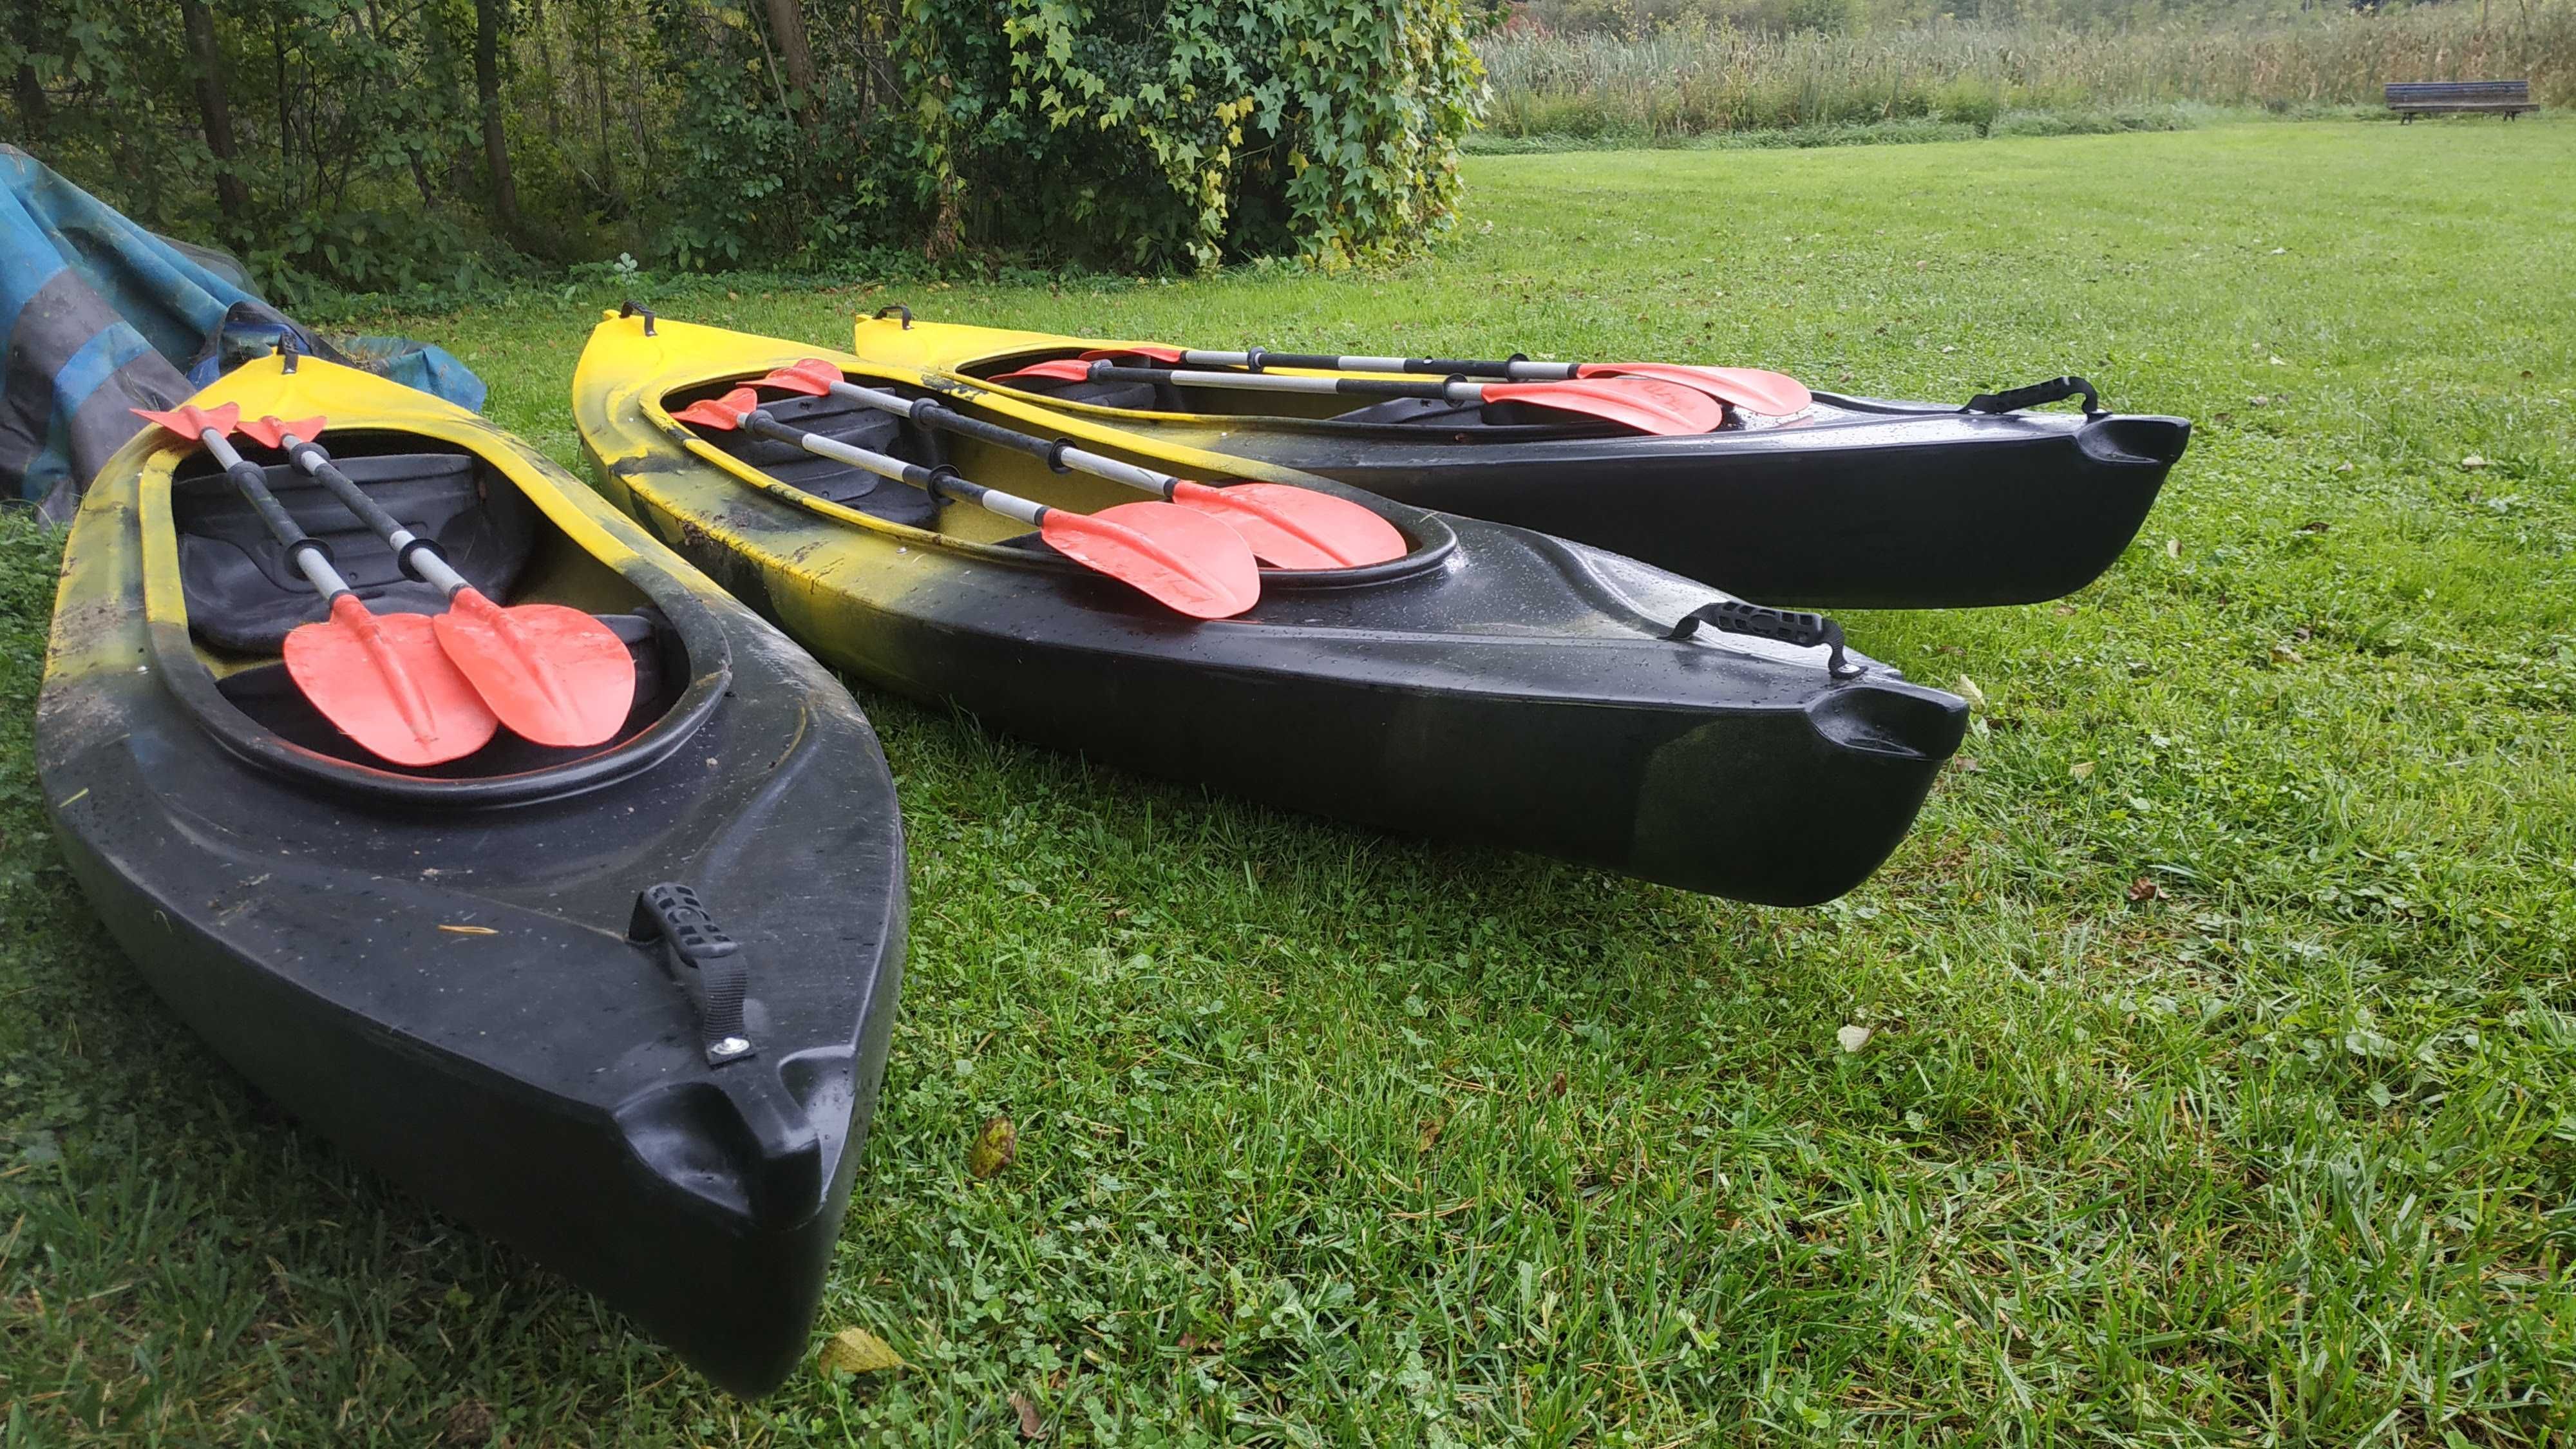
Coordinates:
x,y
2221,1077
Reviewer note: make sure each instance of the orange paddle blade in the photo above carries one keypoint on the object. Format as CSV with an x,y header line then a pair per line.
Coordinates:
x,y
1297,528
1648,404
553,674
1063,369
725,412
812,376
1183,560
383,680
1772,394
191,422
273,429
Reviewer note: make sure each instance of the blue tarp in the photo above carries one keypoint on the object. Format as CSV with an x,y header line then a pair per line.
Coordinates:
x,y
102,316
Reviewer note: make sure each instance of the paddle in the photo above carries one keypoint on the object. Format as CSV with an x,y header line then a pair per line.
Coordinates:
x,y
1753,389
1185,561
380,678
1649,405
1287,526
553,674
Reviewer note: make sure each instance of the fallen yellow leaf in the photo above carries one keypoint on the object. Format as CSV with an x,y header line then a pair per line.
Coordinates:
x,y
857,1351
994,1148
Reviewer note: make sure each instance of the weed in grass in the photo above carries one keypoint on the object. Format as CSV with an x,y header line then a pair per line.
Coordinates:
x,y
1328,1138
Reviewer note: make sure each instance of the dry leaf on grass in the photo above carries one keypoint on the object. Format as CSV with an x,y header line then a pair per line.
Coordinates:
x,y
857,1351
994,1148
1032,1423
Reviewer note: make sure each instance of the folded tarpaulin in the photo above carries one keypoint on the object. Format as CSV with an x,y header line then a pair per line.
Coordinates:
x,y
102,316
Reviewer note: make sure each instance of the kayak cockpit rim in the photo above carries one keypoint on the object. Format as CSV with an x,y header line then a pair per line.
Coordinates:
x,y
1431,542
183,669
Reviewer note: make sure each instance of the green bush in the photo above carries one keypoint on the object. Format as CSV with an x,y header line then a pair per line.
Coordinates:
x,y
700,134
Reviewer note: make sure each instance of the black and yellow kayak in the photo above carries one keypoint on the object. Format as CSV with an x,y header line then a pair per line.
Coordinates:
x,y
624,1006
1849,503
1490,683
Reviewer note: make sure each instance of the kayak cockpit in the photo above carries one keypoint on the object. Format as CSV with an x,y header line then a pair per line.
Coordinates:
x,y
812,479
221,596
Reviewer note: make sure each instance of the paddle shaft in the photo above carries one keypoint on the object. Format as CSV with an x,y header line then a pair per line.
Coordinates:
x,y
418,556
940,482
310,557
1058,454
1451,391
1511,369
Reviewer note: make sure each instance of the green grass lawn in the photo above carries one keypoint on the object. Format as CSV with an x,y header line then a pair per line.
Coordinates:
x,y
2219,1085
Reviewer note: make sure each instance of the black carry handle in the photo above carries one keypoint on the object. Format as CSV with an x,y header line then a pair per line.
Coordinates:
x,y
2038,394
898,309
632,308
707,962
1734,616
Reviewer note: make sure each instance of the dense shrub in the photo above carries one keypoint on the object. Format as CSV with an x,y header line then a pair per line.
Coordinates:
x,y
427,148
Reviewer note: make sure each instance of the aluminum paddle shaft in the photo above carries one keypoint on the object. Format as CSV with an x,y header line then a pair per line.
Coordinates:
x,y
1288,526
1186,561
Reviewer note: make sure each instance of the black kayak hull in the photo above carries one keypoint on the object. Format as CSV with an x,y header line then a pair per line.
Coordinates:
x,y
1930,511
1497,685
1857,504
436,973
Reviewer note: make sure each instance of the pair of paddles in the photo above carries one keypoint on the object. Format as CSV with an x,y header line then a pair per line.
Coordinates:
x,y
1196,551
407,688
1662,399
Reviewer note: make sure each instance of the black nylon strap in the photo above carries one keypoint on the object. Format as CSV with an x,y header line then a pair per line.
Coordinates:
x,y
2038,394
1734,616
632,308
707,962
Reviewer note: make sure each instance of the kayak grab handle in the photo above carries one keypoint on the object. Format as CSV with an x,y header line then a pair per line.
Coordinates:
x,y
767,1161
2056,389
1811,631
703,959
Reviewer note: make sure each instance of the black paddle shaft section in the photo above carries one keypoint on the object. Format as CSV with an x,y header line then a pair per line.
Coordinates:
x,y
1346,386
1262,357
311,458
939,482
252,480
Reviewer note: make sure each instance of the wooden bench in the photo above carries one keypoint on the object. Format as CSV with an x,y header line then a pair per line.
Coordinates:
x,y
2508,99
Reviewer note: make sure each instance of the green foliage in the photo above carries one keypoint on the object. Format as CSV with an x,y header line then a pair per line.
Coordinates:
x,y
1142,134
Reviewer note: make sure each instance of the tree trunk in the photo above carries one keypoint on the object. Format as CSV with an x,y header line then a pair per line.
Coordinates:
x,y
35,108
214,112
787,27
489,17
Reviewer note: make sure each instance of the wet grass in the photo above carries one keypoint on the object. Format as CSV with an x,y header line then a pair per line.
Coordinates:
x,y
2222,1078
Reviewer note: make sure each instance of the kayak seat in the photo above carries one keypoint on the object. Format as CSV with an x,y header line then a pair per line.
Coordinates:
x,y
853,488
1135,396
272,701
1429,412
243,595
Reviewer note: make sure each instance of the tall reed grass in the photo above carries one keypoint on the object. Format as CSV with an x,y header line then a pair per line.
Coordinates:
x,y
1694,79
